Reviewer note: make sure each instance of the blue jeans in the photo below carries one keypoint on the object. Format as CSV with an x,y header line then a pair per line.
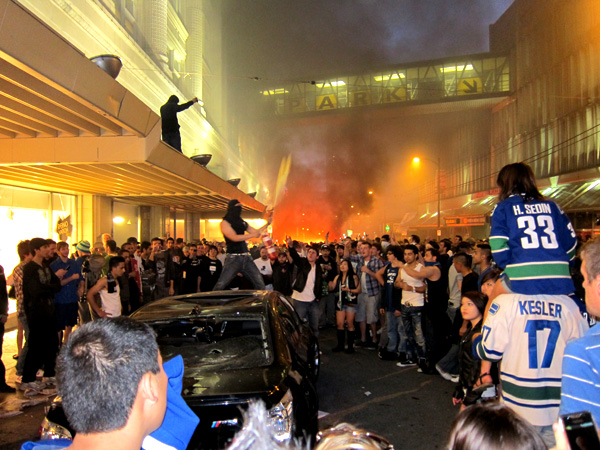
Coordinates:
x,y
411,318
23,352
547,435
396,333
449,363
243,264
309,312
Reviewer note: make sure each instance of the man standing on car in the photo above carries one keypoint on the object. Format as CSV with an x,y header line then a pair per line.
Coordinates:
x,y
236,232
308,286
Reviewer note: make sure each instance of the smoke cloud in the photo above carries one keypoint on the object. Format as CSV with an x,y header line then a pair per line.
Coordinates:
x,y
338,158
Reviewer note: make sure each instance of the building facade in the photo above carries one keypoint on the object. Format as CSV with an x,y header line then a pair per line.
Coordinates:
x,y
80,152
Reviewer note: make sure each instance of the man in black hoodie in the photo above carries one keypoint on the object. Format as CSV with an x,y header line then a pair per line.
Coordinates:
x,y
170,125
236,232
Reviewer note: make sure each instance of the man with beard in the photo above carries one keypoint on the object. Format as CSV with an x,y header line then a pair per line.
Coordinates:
x,y
236,232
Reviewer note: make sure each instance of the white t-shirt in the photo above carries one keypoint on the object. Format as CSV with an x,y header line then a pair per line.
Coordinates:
x,y
453,279
111,303
308,294
414,298
264,267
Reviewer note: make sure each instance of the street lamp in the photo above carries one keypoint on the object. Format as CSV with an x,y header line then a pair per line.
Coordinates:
x,y
417,160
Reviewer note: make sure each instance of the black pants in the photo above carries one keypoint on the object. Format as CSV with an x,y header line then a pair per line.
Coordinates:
x,y
173,138
43,347
438,330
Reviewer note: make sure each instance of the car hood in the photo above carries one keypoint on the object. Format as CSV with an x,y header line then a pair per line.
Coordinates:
x,y
200,382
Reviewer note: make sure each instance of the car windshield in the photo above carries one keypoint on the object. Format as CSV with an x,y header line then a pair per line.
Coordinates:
x,y
215,343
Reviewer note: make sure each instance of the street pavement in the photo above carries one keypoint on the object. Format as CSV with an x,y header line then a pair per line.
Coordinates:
x,y
410,409
18,429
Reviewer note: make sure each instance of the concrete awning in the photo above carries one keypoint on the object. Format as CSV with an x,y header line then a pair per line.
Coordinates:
x,y
67,126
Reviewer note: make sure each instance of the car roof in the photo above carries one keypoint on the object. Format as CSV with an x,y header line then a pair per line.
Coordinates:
x,y
208,303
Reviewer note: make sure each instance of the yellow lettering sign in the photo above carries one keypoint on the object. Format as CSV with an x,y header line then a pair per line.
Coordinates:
x,y
294,105
394,94
468,86
326,102
360,98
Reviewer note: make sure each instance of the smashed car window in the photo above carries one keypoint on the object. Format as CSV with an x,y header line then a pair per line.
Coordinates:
x,y
215,343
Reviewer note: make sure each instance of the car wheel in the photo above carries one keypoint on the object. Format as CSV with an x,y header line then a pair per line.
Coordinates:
x,y
314,361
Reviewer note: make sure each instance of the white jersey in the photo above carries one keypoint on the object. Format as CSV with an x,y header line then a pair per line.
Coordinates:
x,y
529,334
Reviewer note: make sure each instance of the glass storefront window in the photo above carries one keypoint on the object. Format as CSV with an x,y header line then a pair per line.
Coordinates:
x,y
27,213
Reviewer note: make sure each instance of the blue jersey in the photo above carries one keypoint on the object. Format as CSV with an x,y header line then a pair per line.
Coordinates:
x,y
533,241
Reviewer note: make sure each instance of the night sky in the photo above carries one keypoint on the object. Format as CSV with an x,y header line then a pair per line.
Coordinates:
x,y
302,39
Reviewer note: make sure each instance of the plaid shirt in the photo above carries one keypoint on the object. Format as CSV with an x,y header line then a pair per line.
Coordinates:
x,y
18,284
373,265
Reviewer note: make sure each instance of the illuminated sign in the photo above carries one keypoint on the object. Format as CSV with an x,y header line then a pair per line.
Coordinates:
x,y
64,228
466,220
482,194
294,105
360,98
467,86
474,220
387,228
325,102
394,94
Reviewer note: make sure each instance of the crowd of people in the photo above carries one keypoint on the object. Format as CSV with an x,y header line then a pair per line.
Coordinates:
x,y
504,317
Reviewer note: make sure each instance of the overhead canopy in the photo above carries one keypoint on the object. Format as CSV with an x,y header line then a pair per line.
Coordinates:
x,y
67,126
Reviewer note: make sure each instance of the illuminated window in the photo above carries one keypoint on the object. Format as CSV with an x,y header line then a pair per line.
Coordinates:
x,y
330,83
391,76
457,68
275,91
